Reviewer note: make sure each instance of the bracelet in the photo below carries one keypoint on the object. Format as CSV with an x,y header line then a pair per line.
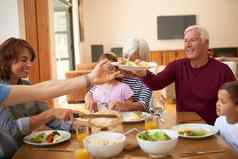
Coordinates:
x,y
88,82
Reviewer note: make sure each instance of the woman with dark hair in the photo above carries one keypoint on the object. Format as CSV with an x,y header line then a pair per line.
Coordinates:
x,y
16,58
14,52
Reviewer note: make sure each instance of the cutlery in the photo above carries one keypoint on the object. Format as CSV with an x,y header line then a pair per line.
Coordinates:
x,y
188,154
53,149
94,115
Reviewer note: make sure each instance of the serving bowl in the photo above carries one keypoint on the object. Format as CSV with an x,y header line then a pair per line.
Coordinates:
x,y
105,144
156,147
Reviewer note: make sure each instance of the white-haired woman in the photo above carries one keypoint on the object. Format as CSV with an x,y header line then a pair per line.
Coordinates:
x,y
197,77
136,49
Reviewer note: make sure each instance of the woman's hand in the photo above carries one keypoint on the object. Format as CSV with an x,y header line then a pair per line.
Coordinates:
x,y
102,73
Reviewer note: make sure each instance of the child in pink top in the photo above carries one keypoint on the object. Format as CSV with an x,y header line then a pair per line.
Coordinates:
x,y
101,97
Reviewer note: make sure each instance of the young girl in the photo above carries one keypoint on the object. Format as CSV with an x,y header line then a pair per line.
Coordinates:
x,y
227,109
103,96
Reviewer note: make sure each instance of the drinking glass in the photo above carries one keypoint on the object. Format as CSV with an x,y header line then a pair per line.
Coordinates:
x,y
151,122
158,107
81,133
102,107
81,153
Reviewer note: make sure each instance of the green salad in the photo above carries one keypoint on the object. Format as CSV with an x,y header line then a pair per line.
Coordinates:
x,y
130,63
39,138
154,136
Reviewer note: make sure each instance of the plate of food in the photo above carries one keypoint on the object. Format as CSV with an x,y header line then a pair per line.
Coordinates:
x,y
131,65
134,116
195,130
47,137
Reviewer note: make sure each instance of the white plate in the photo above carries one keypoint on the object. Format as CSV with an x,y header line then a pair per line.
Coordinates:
x,y
64,136
211,130
129,68
131,117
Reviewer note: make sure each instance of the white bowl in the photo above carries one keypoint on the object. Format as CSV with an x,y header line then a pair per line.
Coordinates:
x,y
158,149
105,144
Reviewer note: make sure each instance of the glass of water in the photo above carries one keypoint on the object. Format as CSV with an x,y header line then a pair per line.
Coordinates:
x,y
102,107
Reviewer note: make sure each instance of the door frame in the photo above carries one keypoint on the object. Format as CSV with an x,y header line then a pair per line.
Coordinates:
x,y
38,34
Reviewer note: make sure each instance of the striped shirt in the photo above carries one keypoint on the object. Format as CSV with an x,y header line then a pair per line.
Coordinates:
x,y
141,93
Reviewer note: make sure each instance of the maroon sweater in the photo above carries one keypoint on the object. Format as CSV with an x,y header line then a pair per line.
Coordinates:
x,y
196,88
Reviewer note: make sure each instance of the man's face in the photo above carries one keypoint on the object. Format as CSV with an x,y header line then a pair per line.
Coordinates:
x,y
194,47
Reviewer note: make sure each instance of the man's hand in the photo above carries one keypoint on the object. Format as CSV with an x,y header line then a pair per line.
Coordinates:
x,y
102,73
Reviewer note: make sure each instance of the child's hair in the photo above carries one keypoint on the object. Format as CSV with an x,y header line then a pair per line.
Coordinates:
x,y
110,56
232,89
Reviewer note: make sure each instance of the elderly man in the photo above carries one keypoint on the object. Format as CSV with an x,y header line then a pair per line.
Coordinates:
x,y
197,78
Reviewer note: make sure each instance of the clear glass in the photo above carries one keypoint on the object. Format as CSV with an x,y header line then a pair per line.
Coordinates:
x,y
158,107
102,107
81,153
81,133
151,122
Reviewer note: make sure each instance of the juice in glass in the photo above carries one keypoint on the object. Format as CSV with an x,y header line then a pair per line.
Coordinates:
x,y
81,133
81,153
151,123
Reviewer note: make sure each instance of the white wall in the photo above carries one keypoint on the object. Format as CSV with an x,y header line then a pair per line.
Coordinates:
x,y
109,22
9,18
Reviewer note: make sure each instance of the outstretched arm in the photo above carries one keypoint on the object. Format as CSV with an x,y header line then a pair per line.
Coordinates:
x,y
50,89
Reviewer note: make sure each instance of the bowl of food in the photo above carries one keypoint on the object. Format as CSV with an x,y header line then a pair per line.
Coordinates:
x,y
157,142
105,144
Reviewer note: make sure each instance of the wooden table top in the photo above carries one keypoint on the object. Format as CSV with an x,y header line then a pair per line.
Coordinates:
x,y
171,118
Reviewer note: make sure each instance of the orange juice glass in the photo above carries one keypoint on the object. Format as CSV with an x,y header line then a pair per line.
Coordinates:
x,y
81,153
81,133
151,122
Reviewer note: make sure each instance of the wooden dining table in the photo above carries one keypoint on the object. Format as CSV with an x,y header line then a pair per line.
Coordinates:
x,y
171,118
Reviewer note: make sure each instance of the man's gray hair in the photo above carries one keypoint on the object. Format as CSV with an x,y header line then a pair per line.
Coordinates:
x,y
203,32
